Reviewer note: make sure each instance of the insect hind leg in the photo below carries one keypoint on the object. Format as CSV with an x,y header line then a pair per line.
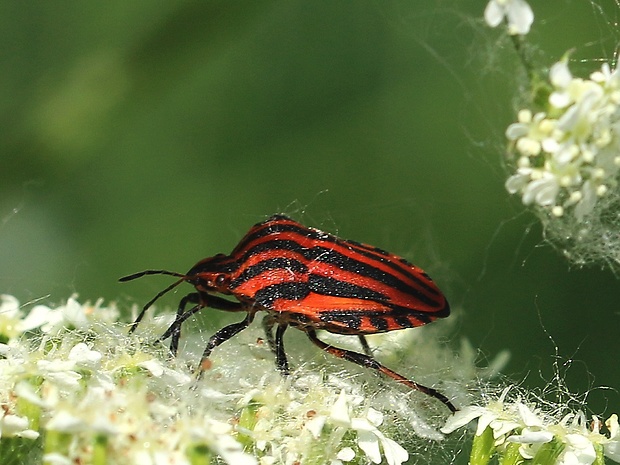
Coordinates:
x,y
369,362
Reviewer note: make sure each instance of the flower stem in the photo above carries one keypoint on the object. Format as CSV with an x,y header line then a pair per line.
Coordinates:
x,y
482,448
511,456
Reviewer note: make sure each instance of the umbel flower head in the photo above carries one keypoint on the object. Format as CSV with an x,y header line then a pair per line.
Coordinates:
x,y
75,387
568,154
565,155
520,431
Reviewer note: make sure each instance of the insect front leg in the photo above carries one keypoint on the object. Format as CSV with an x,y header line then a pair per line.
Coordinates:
x,y
194,298
212,301
369,362
221,336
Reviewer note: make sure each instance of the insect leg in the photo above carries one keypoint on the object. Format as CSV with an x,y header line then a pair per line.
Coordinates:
x,y
281,361
369,362
223,335
276,344
194,298
268,322
213,302
365,346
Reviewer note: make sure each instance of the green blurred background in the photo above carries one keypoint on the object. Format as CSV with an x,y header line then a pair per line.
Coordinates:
x,y
144,134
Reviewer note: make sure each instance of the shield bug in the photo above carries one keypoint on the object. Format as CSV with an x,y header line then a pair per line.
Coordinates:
x,y
311,280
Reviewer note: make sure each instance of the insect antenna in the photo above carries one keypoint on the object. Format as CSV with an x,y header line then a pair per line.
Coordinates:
x,y
130,277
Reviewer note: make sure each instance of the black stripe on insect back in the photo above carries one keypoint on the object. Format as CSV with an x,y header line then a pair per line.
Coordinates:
x,y
339,260
288,291
259,268
330,286
333,257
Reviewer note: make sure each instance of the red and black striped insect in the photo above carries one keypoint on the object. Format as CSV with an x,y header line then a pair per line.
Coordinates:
x,y
311,280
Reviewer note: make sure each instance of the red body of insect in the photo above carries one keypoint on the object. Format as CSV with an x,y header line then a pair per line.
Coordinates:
x,y
312,280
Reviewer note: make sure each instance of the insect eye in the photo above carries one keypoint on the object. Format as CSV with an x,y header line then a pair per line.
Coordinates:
x,y
220,280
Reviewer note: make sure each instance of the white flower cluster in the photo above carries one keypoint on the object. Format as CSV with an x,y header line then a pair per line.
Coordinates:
x,y
103,397
79,377
519,428
568,155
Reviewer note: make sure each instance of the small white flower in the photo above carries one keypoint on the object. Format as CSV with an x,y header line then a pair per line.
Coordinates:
x,y
84,357
15,425
517,13
65,422
495,415
55,458
579,450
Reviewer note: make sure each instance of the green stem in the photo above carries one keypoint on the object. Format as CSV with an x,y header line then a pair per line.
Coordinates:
x,y
548,453
511,455
482,448
100,450
199,455
56,442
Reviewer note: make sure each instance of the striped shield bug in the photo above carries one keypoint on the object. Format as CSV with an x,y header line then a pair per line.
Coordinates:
x,y
311,280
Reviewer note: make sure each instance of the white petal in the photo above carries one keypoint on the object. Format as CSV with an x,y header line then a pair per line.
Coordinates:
x,y
529,418
154,366
462,417
9,306
520,17
56,459
560,75
36,317
516,130
516,182
340,411
579,451
25,390
347,454
493,14
531,437
315,426
369,443
64,422
612,448
12,424
394,453
84,357
374,416
28,434
586,204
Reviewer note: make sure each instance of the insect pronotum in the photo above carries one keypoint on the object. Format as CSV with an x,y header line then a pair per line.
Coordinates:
x,y
311,280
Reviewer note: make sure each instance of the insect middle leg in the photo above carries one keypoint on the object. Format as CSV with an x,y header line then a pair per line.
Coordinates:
x,y
369,362
276,344
365,346
221,336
